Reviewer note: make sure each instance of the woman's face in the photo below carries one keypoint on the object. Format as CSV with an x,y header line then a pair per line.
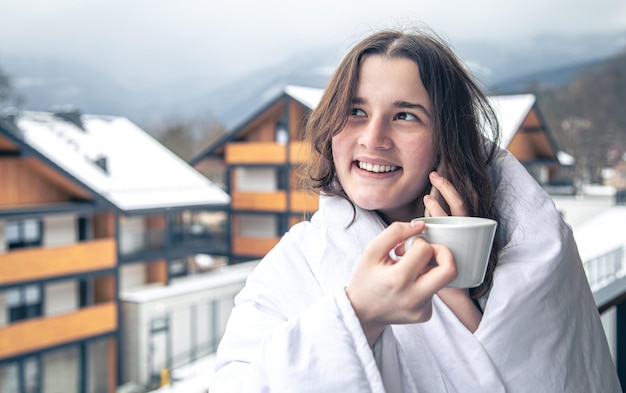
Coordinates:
x,y
384,153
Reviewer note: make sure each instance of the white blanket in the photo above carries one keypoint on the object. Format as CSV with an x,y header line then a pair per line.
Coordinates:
x,y
294,330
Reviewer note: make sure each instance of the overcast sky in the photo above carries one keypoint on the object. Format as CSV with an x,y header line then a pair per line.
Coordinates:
x,y
145,40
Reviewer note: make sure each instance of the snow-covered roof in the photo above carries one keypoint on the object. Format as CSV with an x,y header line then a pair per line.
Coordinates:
x,y
565,159
307,96
511,111
221,277
140,172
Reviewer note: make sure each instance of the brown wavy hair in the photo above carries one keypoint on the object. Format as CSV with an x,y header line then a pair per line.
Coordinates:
x,y
461,117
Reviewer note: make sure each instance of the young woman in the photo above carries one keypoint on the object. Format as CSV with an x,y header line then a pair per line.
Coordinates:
x,y
339,305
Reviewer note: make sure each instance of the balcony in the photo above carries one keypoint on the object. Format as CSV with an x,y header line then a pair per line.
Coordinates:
x,y
249,246
45,262
35,334
299,152
275,201
266,153
179,242
301,201
255,153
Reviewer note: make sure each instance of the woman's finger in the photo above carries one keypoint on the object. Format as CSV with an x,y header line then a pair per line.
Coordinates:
x,y
392,236
448,195
415,259
440,275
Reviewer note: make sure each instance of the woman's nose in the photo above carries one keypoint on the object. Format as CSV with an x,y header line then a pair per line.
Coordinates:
x,y
375,135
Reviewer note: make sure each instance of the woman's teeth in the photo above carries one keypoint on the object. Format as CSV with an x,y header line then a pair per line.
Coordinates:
x,y
376,167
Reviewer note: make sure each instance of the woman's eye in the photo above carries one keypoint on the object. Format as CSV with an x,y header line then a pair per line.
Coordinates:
x,y
406,116
357,112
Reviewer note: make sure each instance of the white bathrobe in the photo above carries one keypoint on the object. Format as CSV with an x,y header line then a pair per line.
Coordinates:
x,y
293,329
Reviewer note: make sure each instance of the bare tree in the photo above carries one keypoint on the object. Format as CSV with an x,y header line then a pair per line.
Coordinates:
x,y
8,94
588,119
187,137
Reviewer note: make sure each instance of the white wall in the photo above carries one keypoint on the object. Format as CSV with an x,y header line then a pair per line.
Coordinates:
x,y
98,365
133,342
9,376
3,242
59,230
255,179
60,297
177,300
60,371
259,226
3,309
132,276
180,329
132,231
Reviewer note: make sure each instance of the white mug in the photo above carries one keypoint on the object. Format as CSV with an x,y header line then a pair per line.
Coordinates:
x,y
469,238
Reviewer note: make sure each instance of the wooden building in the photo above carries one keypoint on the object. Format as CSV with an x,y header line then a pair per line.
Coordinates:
x,y
261,153
91,207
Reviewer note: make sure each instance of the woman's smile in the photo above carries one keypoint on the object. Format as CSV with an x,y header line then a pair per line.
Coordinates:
x,y
376,168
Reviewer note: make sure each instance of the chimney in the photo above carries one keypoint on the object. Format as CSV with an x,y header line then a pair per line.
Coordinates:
x,y
70,114
101,161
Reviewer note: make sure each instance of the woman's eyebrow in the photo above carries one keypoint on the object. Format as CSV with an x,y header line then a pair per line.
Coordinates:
x,y
358,101
410,105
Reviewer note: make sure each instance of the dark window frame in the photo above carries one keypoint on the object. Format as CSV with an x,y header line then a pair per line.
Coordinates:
x,y
24,309
22,241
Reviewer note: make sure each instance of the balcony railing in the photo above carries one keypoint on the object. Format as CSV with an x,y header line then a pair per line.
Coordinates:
x,y
255,153
266,153
184,241
39,263
253,247
303,202
605,269
39,333
275,201
607,277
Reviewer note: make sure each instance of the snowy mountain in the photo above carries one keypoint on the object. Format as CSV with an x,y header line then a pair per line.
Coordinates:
x,y
510,67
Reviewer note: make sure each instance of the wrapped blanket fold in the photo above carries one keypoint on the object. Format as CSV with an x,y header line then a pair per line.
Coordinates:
x,y
293,329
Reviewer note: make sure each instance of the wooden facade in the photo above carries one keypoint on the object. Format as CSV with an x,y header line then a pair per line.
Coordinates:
x,y
256,148
33,190
60,290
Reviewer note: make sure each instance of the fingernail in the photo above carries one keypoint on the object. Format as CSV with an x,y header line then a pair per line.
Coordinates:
x,y
415,223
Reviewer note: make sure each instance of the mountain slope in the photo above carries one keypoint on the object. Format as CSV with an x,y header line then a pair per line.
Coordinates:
x,y
500,67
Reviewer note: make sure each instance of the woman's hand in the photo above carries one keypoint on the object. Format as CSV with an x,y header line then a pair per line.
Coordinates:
x,y
385,290
442,197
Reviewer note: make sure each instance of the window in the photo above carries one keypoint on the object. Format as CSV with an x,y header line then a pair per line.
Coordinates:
x,y
9,377
24,373
23,233
178,268
85,292
282,132
32,375
24,302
